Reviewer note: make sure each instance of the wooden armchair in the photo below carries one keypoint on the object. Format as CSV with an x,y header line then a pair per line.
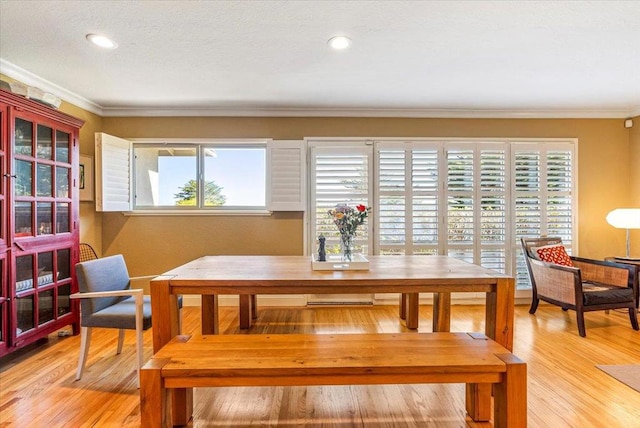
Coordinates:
x,y
583,285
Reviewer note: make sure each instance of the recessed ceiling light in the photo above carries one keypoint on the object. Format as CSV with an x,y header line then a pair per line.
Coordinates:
x,y
339,42
102,41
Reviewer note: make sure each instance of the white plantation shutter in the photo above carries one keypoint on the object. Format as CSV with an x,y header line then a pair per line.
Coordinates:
x,y
286,175
560,193
113,173
544,195
339,175
392,203
408,193
425,196
493,206
459,193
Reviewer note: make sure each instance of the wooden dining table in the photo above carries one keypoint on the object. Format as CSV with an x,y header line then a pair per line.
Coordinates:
x,y
249,276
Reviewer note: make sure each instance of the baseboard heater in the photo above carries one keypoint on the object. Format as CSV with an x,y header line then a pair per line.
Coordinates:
x,y
339,303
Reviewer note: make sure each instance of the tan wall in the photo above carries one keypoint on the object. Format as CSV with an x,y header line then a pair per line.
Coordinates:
x,y
604,179
151,245
634,200
90,221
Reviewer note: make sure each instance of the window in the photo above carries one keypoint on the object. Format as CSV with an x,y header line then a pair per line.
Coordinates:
x,y
204,175
340,175
472,200
167,176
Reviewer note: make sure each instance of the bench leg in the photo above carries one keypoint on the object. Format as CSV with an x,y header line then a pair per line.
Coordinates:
x,y
510,406
181,406
478,401
153,396
441,312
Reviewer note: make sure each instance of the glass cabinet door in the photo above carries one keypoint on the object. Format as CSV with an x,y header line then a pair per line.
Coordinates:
x,y
42,180
43,287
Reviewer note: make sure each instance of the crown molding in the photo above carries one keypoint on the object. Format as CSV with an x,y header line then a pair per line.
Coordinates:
x,y
342,112
32,79
28,78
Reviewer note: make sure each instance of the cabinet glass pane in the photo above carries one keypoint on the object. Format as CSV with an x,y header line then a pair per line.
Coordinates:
x,y
63,210
24,178
64,302
23,138
62,182
45,176
64,264
45,306
45,218
23,218
24,307
24,273
45,142
45,268
62,146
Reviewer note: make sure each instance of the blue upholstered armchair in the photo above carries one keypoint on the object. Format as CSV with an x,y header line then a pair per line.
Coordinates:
x,y
108,301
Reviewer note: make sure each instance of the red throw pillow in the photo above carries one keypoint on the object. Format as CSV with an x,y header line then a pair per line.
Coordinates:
x,y
554,254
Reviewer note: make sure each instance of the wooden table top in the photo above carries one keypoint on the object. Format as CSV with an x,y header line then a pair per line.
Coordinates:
x,y
230,271
262,274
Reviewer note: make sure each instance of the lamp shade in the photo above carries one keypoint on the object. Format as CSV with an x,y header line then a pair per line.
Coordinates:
x,y
624,218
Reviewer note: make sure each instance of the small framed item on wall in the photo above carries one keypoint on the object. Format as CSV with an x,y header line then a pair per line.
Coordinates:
x,y
86,178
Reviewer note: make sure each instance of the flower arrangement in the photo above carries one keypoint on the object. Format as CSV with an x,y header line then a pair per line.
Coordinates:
x,y
347,219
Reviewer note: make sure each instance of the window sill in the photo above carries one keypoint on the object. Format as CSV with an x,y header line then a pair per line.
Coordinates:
x,y
185,213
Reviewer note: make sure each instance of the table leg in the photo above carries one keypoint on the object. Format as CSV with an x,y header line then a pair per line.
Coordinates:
x,y
254,306
441,312
413,310
165,307
499,313
403,306
209,316
245,311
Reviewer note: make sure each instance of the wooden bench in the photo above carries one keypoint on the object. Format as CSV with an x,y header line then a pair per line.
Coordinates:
x,y
334,359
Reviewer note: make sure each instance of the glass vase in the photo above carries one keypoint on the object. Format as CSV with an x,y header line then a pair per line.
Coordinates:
x,y
346,247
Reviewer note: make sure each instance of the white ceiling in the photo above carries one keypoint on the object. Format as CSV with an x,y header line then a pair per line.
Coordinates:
x,y
408,58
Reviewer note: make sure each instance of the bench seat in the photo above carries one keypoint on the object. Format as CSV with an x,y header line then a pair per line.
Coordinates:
x,y
333,359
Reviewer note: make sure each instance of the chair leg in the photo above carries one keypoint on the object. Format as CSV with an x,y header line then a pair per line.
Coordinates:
x,y
581,328
633,318
120,341
85,341
534,305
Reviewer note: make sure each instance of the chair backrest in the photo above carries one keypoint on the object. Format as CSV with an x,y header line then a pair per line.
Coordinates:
x,y
529,243
105,274
87,253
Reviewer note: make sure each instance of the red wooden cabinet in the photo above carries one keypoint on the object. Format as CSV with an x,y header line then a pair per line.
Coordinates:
x,y
39,220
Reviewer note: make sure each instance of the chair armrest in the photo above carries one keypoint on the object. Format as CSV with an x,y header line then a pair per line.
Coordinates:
x,y
130,292
604,272
557,282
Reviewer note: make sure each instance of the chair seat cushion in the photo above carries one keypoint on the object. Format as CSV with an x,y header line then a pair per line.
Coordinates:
x,y
119,315
602,294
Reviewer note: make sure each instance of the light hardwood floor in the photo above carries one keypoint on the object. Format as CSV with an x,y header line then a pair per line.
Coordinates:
x,y
565,389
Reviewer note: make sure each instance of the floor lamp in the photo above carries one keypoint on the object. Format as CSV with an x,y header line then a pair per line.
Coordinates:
x,y
625,218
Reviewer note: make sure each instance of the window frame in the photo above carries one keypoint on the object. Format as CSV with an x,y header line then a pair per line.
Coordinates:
x,y
285,175
511,247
